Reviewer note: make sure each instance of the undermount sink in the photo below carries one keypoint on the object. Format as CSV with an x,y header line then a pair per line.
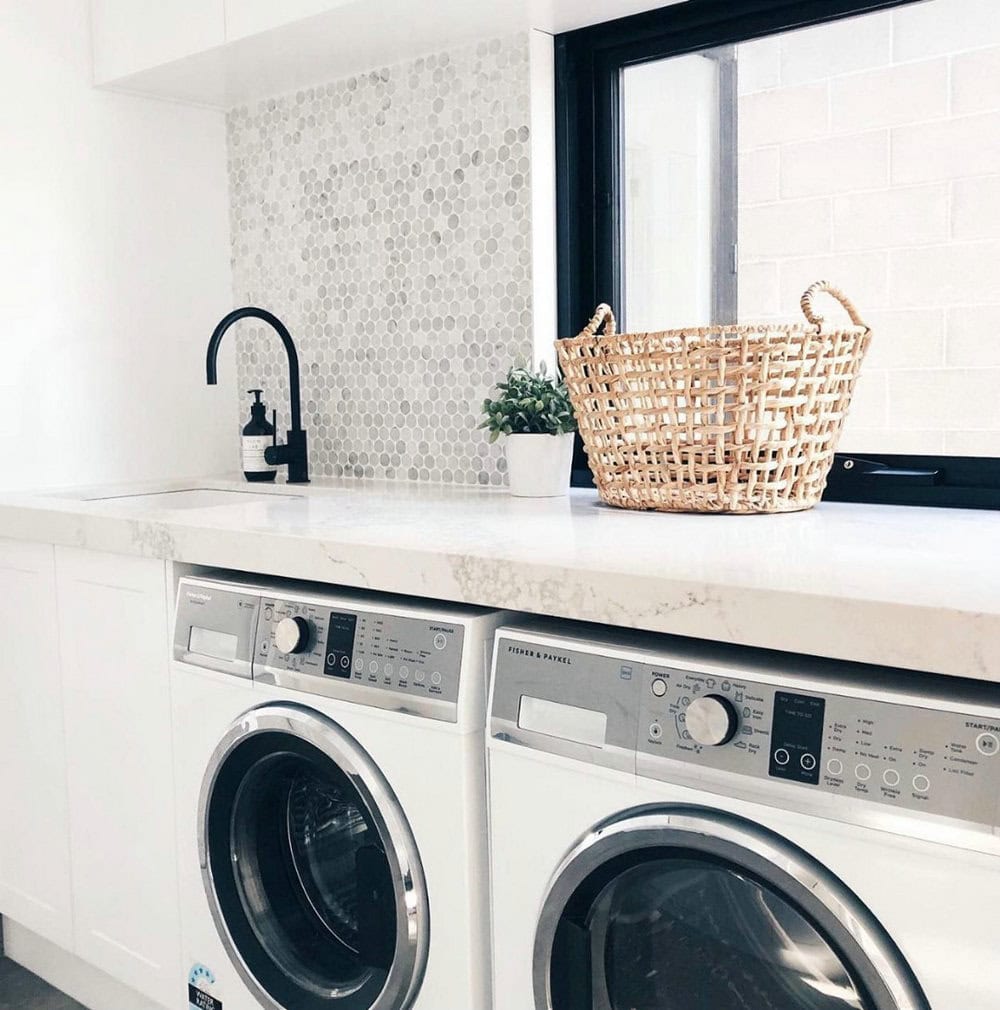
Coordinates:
x,y
195,498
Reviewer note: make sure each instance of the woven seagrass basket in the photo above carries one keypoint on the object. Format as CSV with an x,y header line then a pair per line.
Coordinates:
x,y
716,418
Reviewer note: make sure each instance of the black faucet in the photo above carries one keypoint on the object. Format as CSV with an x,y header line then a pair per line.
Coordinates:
x,y
293,453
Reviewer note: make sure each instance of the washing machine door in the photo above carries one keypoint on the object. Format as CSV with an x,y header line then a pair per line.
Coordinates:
x,y
311,870
686,908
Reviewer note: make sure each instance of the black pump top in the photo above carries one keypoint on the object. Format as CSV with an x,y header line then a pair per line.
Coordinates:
x,y
258,410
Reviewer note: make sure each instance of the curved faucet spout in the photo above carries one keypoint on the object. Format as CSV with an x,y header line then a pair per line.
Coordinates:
x,y
251,311
293,453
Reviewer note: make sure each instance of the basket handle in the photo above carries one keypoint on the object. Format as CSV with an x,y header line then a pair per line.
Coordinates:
x,y
602,314
825,286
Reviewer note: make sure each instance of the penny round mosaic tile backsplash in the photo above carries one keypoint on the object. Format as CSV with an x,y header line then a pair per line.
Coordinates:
x,y
385,219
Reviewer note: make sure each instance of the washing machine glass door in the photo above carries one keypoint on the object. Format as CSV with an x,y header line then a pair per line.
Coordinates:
x,y
310,867
685,908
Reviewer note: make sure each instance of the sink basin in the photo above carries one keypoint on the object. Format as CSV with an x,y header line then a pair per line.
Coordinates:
x,y
195,498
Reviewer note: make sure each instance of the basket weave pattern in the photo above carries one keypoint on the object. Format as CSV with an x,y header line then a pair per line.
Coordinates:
x,y
714,419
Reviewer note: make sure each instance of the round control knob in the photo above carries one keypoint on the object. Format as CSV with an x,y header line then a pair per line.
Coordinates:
x,y
292,635
711,720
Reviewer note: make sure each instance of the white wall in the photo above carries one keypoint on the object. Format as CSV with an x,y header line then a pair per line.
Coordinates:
x,y
114,267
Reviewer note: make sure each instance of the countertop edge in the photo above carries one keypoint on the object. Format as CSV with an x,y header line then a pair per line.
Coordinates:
x,y
950,641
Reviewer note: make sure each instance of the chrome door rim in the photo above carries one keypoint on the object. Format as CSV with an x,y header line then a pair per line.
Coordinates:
x,y
793,873
409,961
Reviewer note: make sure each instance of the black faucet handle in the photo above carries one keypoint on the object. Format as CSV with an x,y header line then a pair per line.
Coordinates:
x,y
274,427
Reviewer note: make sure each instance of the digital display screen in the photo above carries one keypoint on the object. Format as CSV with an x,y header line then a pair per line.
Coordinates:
x,y
213,644
340,645
797,737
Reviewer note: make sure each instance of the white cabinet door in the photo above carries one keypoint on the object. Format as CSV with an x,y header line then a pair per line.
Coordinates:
x,y
114,640
134,35
34,819
248,17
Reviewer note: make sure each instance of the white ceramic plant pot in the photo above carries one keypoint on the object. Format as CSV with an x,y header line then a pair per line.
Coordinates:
x,y
539,465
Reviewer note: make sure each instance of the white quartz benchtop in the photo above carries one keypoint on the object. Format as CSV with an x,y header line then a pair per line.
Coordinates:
x,y
909,587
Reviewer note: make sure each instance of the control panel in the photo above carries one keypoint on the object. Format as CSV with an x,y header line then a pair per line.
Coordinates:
x,y
398,656
830,729
887,752
407,655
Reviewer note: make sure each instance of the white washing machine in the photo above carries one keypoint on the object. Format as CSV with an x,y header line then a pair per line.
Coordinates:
x,y
330,788
677,826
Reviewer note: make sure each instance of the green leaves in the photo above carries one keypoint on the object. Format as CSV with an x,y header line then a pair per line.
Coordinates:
x,y
530,403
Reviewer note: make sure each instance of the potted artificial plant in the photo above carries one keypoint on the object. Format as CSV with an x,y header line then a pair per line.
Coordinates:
x,y
534,412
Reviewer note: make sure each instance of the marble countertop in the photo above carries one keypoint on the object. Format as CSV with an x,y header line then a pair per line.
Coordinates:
x,y
909,587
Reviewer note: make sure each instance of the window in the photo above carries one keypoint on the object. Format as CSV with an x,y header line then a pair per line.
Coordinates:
x,y
716,158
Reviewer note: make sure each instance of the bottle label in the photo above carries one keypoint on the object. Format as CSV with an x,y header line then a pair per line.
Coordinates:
x,y
253,453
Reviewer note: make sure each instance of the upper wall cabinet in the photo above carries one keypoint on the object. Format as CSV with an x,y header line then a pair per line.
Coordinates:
x,y
227,52
249,17
133,35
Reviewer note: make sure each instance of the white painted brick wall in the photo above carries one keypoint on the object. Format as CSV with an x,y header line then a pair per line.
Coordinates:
x,y
785,228
975,208
975,79
834,164
758,291
948,399
902,217
946,149
891,96
953,274
817,54
967,443
864,275
942,29
870,155
896,440
760,65
784,114
759,174
871,403
973,336
907,338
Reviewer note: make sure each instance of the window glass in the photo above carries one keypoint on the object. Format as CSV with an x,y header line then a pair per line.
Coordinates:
x,y
670,191
869,155
864,151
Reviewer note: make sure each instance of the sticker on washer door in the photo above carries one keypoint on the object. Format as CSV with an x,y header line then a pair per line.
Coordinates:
x,y
201,986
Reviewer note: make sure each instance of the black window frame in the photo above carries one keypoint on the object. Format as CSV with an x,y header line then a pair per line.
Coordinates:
x,y
588,65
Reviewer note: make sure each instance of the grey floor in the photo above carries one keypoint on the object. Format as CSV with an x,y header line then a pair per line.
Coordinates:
x,y
20,990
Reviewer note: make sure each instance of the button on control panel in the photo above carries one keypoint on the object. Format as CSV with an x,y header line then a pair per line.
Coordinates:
x,y
988,743
407,655
886,752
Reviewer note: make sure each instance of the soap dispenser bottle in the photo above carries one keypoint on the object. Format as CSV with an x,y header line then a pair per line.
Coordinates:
x,y
258,434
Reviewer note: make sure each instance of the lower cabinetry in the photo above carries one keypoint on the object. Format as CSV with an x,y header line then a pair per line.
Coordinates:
x,y
116,689
35,884
87,839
